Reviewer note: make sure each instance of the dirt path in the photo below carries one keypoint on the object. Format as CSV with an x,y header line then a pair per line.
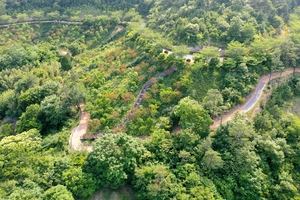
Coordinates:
x,y
77,133
40,22
75,141
253,97
146,86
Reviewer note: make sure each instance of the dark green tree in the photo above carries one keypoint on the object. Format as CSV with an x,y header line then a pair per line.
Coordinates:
x,y
114,166
66,63
29,119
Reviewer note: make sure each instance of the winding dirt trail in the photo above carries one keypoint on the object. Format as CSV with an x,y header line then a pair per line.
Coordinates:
x,y
75,141
146,86
253,97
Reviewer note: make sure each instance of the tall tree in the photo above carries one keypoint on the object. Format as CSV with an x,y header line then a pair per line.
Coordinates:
x,y
213,102
192,115
58,192
114,166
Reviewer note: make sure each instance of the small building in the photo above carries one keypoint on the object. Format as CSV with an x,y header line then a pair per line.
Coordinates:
x,y
168,52
189,58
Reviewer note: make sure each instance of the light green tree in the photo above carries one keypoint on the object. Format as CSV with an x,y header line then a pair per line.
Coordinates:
x,y
212,160
37,14
235,50
213,102
22,17
192,115
79,183
58,192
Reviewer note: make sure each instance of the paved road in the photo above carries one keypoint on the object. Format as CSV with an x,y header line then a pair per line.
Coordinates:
x,y
81,129
254,97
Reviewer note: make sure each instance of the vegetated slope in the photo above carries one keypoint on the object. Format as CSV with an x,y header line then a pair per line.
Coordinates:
x,y
43,84
218,22
39,91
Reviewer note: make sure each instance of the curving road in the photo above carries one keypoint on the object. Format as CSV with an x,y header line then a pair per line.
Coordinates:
x,y
41,22
75,138
254,97
81,129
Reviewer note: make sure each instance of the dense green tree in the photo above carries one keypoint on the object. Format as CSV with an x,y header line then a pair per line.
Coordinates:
x,y
53,15
22,17
236,50
29,190
193,116
5,18
29,119
212,160
160,145
75,48
65,62
6,129
235,29
79,183
288,53
210,52
114,166
18,155
240,133
58,192
2,7
156,182
37,14
52,113
213,102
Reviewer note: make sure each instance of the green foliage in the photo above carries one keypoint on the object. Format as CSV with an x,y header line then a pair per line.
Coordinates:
x,y
236,50
52,112
213,102
58,192
29,119
108,59
75,49
18,154
53,15
156,182
5,19
79,183
193,116
114,166
65,62
29,190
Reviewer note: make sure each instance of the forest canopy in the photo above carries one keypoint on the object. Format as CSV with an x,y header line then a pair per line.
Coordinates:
x,y
153,79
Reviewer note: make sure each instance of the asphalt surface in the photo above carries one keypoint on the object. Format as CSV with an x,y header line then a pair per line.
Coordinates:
x,y
255,97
